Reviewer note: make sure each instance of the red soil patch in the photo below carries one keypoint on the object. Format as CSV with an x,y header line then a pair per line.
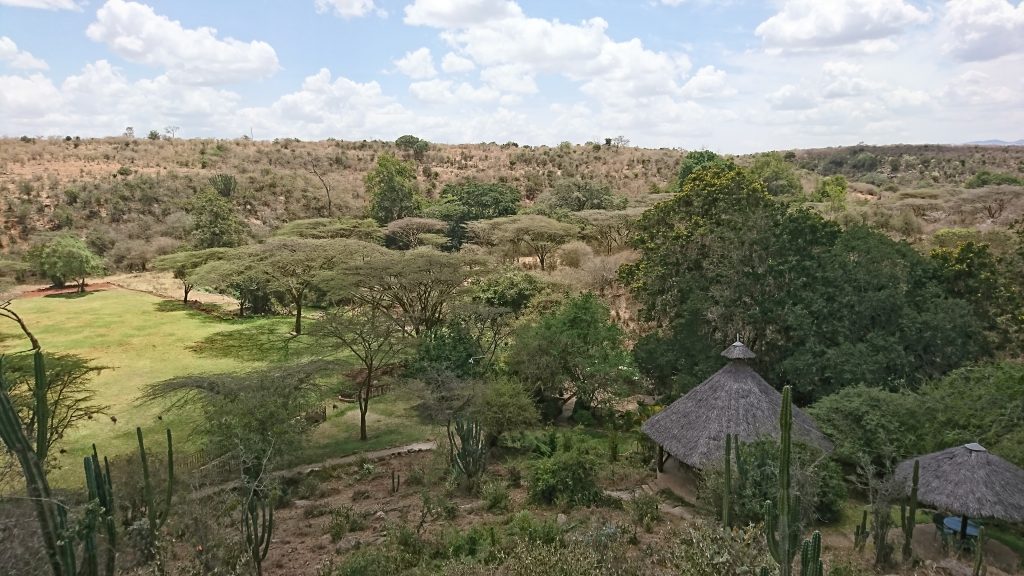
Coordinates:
x,y
39,293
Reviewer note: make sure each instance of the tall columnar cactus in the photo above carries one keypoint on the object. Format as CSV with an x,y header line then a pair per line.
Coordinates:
x,y
980,569
52,520
257,526
810,557
156,515
100,514
782,520
727,485
861,533
469,453
908,515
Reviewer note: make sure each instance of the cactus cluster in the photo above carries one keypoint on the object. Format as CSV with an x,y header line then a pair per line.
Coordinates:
x,y
782,519
908,515
60,540
258,525
810,557
980,569
156,515
468,449
732,486
861,533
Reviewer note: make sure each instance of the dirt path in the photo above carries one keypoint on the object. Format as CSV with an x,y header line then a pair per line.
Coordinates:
x,y
373,456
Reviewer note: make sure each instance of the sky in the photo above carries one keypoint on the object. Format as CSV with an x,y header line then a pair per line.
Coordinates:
x,y
734,76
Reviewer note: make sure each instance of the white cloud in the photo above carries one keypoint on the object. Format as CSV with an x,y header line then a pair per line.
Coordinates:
x,y
708,82
452,63
447,92
815,24
976,88
418,64
790,97
137,33
346,8
983,29
26,99
20,59
514,78
43,4
459,13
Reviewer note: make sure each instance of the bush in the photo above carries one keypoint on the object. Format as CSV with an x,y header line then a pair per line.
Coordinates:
x,y
575,254
495,495
871,423
567,478
643,510
812,474
344,520
528,528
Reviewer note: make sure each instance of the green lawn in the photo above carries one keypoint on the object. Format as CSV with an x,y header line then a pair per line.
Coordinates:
x,y
144,339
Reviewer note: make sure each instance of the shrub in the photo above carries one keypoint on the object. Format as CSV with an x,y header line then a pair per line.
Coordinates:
x,y
566,478
495,495
812,474
531,529
575,254
344,520
643,510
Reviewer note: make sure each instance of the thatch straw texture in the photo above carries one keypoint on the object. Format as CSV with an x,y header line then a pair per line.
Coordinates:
x,y
968,480
735,400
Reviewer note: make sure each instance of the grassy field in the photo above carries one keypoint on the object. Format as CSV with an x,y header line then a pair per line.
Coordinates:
x,y
144,339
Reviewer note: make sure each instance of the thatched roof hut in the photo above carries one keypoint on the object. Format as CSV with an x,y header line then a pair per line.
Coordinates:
x,y
967,480
734,400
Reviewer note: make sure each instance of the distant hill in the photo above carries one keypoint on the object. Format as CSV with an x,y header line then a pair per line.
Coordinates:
x,y
998,143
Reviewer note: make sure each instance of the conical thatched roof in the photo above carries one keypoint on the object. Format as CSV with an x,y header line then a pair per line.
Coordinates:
x,y
734,400
968,480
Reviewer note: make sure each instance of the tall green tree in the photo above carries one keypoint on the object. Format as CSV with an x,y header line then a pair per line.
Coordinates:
x,y
392,189
576,194
777,175
214,223
576,351
469,200
696,159
65,259
824,308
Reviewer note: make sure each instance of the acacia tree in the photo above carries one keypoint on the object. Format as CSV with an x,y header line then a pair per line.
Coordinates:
x,y
372,336
415,288
576,194
530,234
63,259
182,265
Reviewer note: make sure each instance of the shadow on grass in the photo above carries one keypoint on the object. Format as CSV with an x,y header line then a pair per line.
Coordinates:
x,y
263,342
209,313
69,295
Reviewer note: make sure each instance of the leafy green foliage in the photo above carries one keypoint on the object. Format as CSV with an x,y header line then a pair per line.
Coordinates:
x,y
697,159
503,406
832,189
566,478
392,189
511,289
523,235
986,178
576,347
778,176
874,424
366,229
214,223
983,403
65,259
823,308
811,473
576,194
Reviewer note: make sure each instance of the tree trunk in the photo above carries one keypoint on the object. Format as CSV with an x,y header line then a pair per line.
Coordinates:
x,y
364,405
81,286
298,316
188,288
540,259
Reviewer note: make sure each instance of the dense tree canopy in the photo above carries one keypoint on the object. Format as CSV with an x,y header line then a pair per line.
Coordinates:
x,y
777,175
65,259
366,229
214,223
524,234
823,308
392,189
577,194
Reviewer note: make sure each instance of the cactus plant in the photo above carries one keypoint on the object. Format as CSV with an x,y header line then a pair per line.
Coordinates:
x,y
258,525
861,533
156,516
980,569
51,516
810,557
396,482
727,485
908,515
99,514
782,520
469,452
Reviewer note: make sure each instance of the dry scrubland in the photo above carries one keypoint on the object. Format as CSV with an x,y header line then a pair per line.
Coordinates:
x,y
136,191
